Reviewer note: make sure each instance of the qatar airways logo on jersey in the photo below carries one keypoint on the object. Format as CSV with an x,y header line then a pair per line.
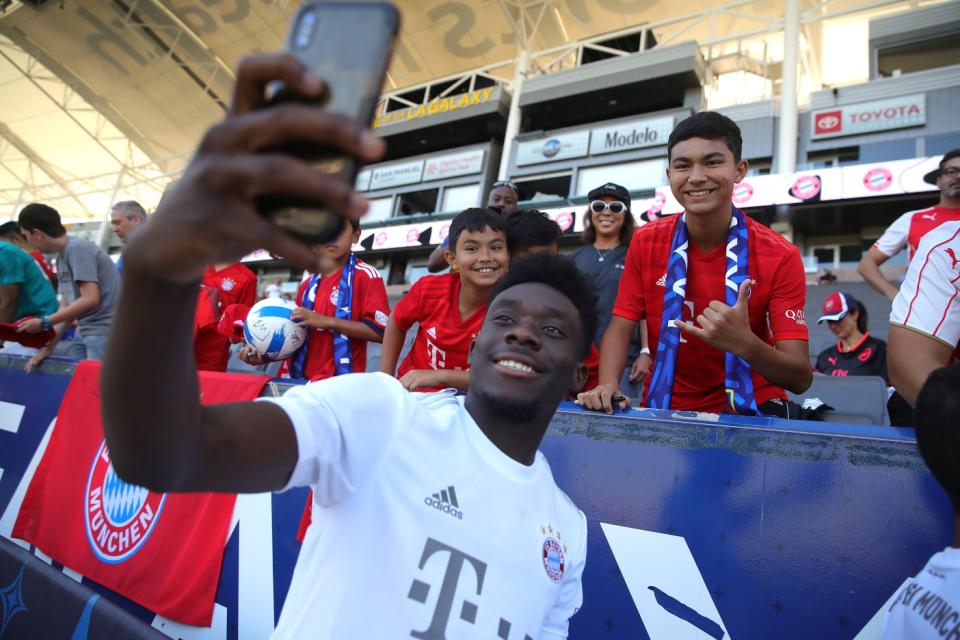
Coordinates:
x,y
119,517
797,315
438,357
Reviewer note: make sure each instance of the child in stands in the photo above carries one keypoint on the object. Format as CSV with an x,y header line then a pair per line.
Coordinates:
x,y
449,308
344,307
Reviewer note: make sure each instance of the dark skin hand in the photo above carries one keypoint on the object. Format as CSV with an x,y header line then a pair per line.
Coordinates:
x,y
158,434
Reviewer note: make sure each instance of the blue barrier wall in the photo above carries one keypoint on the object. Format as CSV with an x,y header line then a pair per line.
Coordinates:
x,y
699,528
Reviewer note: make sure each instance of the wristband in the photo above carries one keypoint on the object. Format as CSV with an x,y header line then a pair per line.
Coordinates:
x,y
645,351
45,323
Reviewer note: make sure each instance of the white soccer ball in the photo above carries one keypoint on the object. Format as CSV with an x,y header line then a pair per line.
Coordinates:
x,y
271,332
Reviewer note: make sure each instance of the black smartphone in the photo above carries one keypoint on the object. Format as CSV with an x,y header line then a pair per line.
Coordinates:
x,y
348,45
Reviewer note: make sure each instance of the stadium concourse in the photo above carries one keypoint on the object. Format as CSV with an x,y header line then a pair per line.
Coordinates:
x,y
601,131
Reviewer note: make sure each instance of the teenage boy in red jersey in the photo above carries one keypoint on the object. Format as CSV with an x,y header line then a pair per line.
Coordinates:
x,y
346,303
723,295
449,308
222,285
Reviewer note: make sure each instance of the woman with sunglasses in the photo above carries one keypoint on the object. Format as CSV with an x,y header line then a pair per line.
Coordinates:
x,y
608,226
503,198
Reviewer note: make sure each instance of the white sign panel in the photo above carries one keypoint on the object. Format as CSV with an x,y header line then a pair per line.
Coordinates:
x,y
396,174
868,117
453,164
363,180
631,135
555,147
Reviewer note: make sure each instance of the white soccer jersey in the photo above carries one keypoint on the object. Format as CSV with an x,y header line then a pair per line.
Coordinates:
x,y
928,606
422,527
928,301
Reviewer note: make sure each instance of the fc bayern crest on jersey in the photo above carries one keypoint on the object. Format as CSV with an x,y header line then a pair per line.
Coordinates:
x,y
227,284
335,294
119,516
553,560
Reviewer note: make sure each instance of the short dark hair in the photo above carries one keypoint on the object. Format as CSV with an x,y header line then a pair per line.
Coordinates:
x,y
709,125
560,273
11,230
131,209
42,217
589,235
528,228
475,219
938,439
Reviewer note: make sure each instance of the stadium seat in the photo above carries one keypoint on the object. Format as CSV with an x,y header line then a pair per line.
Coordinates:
x,y
857,399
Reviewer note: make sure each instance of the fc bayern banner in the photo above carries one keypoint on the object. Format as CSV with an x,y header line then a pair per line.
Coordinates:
x,y
163,551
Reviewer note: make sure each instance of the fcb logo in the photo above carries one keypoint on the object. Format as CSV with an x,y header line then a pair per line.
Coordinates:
x,y
119,516
742,193
227,284
806,187
335,295
553,561
877,179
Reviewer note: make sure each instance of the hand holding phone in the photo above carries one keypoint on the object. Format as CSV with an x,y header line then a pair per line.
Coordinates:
x,y
348,46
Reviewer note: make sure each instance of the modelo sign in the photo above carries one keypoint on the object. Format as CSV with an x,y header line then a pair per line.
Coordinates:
x,y
631,135
867,117
560,146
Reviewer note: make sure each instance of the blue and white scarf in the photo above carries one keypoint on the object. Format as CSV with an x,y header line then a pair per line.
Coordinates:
x,y
342,355
738,381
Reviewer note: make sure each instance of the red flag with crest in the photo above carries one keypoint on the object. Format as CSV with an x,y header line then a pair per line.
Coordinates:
x,y
163,551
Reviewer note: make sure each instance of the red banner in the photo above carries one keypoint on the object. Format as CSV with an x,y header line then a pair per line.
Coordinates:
x,y
162,551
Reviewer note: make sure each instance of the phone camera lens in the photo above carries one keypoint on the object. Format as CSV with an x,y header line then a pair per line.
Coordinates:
x,y
305,31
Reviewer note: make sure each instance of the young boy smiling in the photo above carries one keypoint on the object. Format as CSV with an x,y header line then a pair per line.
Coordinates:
x,y
449,308
344,307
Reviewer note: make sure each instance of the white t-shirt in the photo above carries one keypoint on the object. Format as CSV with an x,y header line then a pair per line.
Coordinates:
x,y
928,606
422,527
929,298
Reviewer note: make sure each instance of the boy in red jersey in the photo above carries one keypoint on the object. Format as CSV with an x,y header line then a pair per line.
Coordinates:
x,y
222,285
449,308
723,295
363,312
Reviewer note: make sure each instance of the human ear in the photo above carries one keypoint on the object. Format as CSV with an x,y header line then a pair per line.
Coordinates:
x,y
580,374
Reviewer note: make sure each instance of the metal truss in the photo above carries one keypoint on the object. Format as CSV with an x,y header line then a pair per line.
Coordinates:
x,y
174,40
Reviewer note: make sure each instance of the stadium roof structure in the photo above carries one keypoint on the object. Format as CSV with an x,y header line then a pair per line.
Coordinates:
x,y
105,99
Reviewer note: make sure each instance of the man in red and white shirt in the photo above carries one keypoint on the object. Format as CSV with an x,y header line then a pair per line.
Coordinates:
x,y
221,286
925,320
766,327
907,231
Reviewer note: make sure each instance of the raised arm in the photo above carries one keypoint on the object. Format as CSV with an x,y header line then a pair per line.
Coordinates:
x,y
393,337
158,434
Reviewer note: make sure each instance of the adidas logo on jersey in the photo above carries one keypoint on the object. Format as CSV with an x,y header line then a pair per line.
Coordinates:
x,y
662,282
445,501
432,332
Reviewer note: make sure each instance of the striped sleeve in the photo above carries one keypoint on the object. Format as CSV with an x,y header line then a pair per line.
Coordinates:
x,y
928,301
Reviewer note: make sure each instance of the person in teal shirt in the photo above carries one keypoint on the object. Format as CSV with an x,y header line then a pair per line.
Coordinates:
x,y
24,288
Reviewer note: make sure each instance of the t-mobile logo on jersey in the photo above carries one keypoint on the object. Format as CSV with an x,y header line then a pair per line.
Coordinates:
x,y
456,562
438,357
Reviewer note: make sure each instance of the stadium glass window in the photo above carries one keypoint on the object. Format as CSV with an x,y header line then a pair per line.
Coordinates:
x,y
883,151
380,209
417,202
635,176
415,271
759,168
825,256
832,158
555,186
460,198
918,56
850,253
938,145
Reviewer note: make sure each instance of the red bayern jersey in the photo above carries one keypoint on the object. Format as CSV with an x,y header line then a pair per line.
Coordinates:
x,y
369,305
443,337
234,284
907,230
775,307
